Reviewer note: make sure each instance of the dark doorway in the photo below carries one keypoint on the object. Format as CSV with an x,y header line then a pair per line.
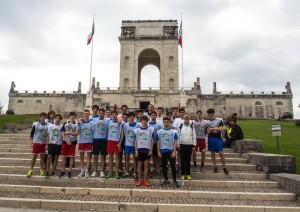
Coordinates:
x,y
144,105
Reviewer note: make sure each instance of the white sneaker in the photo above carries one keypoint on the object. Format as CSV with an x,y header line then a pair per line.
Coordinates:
x,y
87,175
94,174
102,175
81,174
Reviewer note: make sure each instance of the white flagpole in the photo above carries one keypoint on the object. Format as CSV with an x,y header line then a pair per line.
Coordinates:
x,y
182,78
91,65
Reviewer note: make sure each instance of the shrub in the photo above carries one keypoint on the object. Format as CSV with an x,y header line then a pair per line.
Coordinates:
x,y
10,112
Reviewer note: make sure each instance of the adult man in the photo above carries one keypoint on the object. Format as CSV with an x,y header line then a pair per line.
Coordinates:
x,y
215,144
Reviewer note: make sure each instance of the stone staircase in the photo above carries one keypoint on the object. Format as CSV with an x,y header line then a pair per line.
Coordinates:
x,y
244,189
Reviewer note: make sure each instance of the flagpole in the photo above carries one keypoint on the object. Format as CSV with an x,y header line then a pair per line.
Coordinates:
x,y
182,78
91,65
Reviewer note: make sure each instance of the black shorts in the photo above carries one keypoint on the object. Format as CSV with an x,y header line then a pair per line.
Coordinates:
x,y
143,156
154,151
54,149
99,146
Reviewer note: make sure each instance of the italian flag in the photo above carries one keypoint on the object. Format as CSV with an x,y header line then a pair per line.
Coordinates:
x,y
180,35
90,36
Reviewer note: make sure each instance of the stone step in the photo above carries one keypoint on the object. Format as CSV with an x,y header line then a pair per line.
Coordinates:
x,y
267,194
233,175
77,157
29,150
209,184
208,165
131,203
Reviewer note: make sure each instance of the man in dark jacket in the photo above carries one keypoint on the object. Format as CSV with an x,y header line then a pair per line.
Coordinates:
x,y
233,132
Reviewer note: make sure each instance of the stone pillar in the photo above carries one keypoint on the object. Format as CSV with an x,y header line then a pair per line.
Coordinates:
x,y
214,88
79,87
98,86
93,83
198,85
12,87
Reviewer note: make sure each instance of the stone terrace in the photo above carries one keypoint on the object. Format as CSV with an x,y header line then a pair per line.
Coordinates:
x,y
244,189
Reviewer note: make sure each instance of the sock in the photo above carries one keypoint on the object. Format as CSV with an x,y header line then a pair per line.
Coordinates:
x,y
202,164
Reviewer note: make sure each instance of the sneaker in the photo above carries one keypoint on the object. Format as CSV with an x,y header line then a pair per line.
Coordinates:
x,y
81,174
102,175
94,174
62,174
53,173
69,174
226,171
175,184
146,183
182,177
87,174
29,173
117,176
202,169
42,173
139,183
109,175
165,183
189,177
47,175
135,177
216,170
126,175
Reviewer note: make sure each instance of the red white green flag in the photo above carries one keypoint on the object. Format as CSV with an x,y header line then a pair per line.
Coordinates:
x,y
180,35
90,36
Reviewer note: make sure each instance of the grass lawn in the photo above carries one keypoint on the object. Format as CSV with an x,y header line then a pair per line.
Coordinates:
x,y
261,130
17,119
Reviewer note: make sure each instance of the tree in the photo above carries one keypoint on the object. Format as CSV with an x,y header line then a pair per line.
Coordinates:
x,y
1,108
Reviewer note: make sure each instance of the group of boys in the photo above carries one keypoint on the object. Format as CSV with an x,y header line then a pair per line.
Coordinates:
x,y
142,135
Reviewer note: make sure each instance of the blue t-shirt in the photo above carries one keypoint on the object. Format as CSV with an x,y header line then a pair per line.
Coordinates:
x,y
129,132
157,126
100,128
114,131
166,139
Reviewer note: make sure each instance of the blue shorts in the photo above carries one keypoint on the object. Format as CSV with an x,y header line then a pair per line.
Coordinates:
x,y
130,149
215,145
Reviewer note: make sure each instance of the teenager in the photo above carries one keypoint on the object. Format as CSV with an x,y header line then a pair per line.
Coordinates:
x,y
215,143
38,137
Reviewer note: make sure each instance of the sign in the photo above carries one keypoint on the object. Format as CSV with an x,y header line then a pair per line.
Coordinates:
x,y
276,133
276,127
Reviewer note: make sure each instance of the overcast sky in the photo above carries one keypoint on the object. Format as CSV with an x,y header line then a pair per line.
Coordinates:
x,y
243,45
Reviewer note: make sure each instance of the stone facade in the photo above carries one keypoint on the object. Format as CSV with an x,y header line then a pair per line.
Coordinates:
x,y
153,42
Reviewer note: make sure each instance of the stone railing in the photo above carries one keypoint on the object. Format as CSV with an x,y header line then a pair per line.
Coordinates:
x,y
290,182
246,146
272,163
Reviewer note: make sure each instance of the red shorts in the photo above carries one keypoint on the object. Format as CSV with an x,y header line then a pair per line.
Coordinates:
x,y
112,147
38,148
85,147
68,150
201,145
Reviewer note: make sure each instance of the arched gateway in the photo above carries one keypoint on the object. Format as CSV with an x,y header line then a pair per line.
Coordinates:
x,y
148,43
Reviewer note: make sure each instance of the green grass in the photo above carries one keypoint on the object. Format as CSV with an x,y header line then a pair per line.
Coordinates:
x,y
16,119
288,141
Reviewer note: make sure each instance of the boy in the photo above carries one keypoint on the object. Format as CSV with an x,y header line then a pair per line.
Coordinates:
x,y
121,144
200,128
85,142
143,149
215,143
139,115
160,117
38,138
156,127
128,134
100,129
233,133
108,113
54,142
166,150
70,131
113,139
95,111
186,144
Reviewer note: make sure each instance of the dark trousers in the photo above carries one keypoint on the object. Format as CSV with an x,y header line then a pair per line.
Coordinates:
x,y
186,153
165,158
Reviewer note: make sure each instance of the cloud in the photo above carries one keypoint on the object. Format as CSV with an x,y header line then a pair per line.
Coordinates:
x,y
241,45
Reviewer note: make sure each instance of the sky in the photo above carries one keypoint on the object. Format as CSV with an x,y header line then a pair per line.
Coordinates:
x,y
243,45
